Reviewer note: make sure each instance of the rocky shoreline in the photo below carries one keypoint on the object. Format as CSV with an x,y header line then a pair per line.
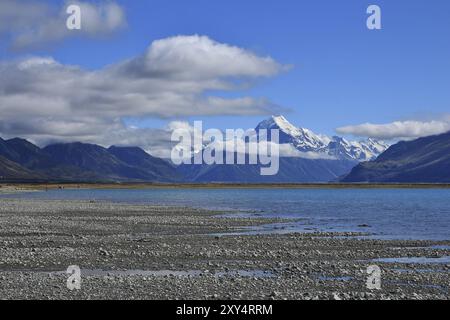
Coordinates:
x,y
148,252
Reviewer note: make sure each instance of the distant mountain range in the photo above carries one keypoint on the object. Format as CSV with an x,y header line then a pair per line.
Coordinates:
x,y
422,160
22,160
305,140
291,170
333,158
425,160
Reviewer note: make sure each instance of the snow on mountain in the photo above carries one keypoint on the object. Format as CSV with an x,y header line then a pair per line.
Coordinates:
x,y
375,146
305,140
353,150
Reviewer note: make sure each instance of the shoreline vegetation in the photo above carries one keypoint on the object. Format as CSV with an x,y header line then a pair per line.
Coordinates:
x,y
24,187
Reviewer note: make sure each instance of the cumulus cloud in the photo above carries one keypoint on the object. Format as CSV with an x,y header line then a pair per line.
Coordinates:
x,y
49,101
31,23
179,56
399,129
289,151
20,15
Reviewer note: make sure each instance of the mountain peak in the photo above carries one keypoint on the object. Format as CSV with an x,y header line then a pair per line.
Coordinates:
x,y
17,140
306,140
281,123
276,122
301,138
280,119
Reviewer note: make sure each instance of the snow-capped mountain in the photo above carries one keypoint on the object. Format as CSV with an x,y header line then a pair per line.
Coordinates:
x,y
305,140
361,151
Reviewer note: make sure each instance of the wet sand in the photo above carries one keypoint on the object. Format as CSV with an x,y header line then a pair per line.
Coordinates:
x,y
148,252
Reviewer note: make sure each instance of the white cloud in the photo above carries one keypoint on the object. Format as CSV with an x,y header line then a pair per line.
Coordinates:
x,y
31,23
20,15
289,151
179,56
49,101
399,129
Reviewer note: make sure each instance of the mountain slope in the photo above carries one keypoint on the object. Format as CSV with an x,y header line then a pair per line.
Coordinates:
x,y
6,151
25,153
11,171
74,160
82,162
136,157
93,162
291,170
425,160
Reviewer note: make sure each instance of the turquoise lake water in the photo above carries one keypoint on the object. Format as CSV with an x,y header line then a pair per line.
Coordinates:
x,y
384,213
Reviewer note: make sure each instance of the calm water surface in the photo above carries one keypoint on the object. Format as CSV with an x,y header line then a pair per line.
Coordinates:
x,y
385,213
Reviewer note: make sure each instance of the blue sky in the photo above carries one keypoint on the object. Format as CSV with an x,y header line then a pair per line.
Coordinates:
x,y
342,73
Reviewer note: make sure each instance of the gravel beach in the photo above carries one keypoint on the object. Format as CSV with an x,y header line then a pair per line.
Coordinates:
x,y
148,252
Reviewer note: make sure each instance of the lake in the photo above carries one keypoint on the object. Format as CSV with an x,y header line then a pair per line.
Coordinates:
x,y
422,214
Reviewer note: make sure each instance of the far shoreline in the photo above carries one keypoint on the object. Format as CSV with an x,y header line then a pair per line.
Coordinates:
x,y
141,186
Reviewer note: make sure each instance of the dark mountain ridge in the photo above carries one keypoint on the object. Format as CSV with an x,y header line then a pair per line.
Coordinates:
x,y
291,170
425,160
83,162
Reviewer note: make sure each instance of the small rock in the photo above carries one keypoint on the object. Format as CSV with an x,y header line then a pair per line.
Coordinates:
x,y
274,294
336,296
